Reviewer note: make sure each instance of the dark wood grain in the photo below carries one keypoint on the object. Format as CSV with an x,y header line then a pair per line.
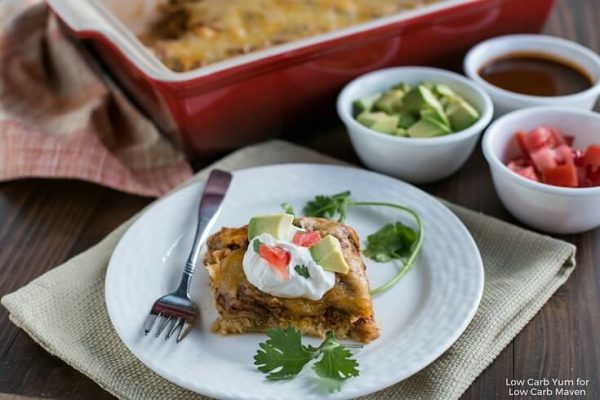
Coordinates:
x,y
43,223
560,342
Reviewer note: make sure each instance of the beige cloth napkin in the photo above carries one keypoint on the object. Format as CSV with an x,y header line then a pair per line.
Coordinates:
x,y
61,117
64,309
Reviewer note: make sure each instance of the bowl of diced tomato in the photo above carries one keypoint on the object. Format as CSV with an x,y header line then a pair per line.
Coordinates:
x,y
545,165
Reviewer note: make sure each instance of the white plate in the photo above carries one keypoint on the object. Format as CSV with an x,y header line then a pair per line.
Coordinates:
x,y
419,318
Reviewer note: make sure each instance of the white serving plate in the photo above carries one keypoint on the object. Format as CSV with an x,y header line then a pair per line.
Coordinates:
x,y
419,318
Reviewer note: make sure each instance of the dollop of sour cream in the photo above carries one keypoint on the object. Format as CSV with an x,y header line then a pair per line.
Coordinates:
x,y
268,280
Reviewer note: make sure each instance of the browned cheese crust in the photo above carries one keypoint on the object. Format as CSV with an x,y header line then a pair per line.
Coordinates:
x,y
189,34
346,309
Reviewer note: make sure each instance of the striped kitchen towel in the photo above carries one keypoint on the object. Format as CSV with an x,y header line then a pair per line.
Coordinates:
x,y
61,117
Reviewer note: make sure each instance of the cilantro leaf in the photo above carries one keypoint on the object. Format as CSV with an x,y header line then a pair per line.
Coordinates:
x,y
302,270
328,206
256,245
393,241
287,207
283,356
336,365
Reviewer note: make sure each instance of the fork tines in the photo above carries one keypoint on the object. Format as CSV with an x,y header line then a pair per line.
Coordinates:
x,y
163,320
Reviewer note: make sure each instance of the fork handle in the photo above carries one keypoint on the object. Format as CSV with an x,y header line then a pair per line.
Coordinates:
x,y
210,205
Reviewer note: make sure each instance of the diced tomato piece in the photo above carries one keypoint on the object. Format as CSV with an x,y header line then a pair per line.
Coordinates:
x,y
563,154
592,157
543,159
593,177
518,163
278,258
556,138
520,138
523,167
578,158
537,138
562,175
306,239
582,177
528,172
569,140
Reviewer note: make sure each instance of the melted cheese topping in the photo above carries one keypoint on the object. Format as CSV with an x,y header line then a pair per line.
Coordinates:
x,y
193,33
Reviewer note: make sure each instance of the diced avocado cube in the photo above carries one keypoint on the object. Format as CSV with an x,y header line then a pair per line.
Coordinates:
x,y
445,101
328,254
437,114
403,86
390,102
419,98
367,118
406,119
443,90
364,104
277,225
335,262
428,127
427,84
386,125
401,132
325,246
379,121
461,114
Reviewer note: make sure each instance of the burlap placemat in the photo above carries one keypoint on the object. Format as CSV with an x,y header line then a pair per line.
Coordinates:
x,y
64,309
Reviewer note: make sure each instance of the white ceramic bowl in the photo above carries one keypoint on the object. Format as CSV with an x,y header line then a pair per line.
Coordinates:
x,y
417,160
506,101
545,207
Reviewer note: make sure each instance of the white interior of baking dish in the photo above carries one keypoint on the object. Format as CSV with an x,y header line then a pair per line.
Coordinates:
x,y
121,20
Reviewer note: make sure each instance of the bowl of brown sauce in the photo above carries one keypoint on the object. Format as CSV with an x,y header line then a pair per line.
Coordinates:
x,y
519,71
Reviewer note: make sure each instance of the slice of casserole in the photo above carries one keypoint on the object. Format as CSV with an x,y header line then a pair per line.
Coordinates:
x,y
345,308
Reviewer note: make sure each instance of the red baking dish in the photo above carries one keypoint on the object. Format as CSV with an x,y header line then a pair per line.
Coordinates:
x,y
250,97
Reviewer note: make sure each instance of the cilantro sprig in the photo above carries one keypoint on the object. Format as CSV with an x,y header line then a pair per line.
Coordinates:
x,y
287,207
302,270
393,241
328,206
283,356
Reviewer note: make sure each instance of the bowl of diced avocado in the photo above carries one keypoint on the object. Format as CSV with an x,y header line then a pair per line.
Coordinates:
x,y
419,124
423,110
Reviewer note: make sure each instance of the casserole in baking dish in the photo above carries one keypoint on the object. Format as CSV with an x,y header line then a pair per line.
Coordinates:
x,y
249,97
192,33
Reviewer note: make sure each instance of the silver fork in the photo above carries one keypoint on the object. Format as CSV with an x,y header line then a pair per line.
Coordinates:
x,y
176,310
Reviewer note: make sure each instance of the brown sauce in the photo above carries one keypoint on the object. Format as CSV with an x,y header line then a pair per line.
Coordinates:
x,y
536,75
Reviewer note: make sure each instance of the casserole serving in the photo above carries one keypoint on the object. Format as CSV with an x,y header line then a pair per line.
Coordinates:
x,y
252,96
189,34
346,309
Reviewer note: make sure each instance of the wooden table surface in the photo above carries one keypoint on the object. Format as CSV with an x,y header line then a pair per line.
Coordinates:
x,y
45,222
